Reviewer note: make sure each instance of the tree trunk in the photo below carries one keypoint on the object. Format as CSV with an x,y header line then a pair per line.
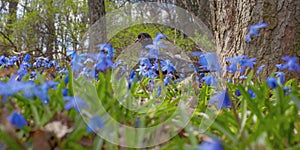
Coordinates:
x,y
97,33
51,35
12,9
200,8
230,22
12,17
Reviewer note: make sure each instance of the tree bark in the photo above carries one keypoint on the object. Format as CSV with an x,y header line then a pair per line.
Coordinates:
x,y
12,10
6,34
230,22
97,33
200,8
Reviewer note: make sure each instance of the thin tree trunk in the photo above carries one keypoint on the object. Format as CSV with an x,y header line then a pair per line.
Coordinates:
x,y
230,22
12,9
97,33
51,35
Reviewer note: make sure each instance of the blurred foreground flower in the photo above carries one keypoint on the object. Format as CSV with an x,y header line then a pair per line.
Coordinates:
x,y
251,93
281,76
291,64
272,82
11,87
74,102
17,119
222,99
95,124
254,30
213,144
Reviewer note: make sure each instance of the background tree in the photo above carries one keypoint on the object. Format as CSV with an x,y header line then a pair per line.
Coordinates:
x,y
230,22
42,27
97,23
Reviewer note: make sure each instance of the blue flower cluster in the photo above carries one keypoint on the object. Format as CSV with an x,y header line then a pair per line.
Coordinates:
x,y
29,89
100,61
25,67
241,61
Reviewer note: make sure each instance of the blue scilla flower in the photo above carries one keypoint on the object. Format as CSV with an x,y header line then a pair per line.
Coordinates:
x,y
156,46
157,42
11,87
21,73
37,91
234,61
33,75
12,60
201,60
38,62
222,99
25,65
238,93
142,70
65,92
145,62
54,64
212,62
3,60
155,65
279,66
50,84
281,76
104,63
247,63
260,68
107,48
158,37
166,81
291,63
210,80
193,66
151,73
251,93
132,75
95,123
211,145
240,60
17,119
287,90
45,62
131,79
272,82
74,102
23,69
66,80
76,60
168,66
26,57
154,53
254,30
